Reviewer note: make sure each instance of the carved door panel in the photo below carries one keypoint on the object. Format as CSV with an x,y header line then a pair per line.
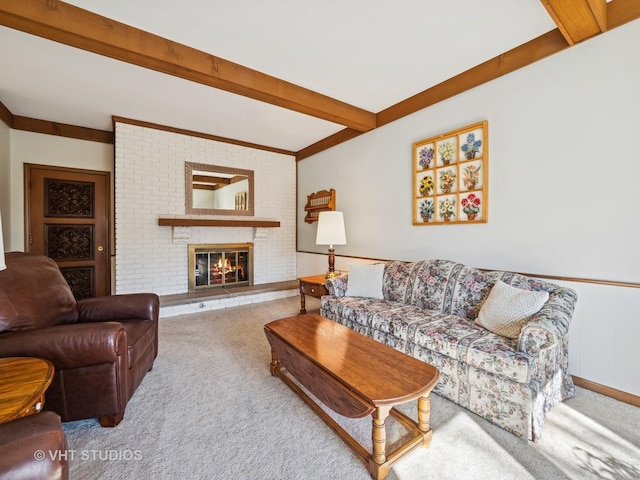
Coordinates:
x,y
67,219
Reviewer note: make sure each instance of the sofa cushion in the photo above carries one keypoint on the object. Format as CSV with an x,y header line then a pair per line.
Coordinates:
x,y
20,309
471,290
508,308
399,320
469,343
397,281
365,281
433,284
356,310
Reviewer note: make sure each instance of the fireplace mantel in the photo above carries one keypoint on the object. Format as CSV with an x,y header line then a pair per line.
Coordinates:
x,y
203,222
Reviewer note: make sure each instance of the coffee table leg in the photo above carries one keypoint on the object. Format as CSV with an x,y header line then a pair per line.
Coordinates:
x,y
379,435
424,412
275,364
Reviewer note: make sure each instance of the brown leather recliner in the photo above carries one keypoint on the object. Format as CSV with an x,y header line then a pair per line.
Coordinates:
x,y
34,447
101,347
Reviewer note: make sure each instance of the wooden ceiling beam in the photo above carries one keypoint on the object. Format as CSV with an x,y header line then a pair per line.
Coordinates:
x,y
5,115
79,28
620,12
197,186
61,129
599,10
578,19
328,142
210,179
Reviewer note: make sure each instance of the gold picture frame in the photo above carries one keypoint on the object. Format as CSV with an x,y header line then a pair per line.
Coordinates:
x,y
450,177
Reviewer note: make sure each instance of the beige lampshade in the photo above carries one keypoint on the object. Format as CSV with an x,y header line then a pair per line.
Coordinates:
x,y
331,229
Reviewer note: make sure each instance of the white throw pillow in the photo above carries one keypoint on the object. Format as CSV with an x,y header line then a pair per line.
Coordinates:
x,y
365,281
507,309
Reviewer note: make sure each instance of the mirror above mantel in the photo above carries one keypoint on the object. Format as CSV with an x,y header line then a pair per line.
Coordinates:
x,y
218,190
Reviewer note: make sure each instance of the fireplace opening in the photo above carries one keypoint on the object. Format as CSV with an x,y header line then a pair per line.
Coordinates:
x,y
220,265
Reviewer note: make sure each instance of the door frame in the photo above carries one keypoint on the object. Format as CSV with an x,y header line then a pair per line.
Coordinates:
x,y
27,167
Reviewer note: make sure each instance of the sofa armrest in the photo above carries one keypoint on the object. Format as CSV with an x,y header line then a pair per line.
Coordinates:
x,y
550,326
68,346
142,306
337,286
33,447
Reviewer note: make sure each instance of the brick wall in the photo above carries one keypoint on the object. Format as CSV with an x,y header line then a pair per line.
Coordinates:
x,y
149,183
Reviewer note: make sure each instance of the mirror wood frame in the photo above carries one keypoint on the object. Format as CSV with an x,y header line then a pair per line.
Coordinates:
x,y
189,167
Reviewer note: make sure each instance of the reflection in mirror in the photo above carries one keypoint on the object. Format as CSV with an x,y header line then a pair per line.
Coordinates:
x,y
217,190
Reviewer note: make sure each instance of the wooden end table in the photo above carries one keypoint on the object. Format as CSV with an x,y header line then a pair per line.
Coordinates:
x,y
23,381
354,376
312,286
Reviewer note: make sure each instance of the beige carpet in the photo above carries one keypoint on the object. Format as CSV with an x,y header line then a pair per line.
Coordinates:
x,y
210,409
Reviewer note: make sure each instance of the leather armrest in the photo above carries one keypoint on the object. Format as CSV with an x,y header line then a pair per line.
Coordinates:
x,y
143,306
20,440
68,346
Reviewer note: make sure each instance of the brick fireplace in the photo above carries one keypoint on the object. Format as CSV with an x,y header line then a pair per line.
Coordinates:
x,y
220,265
150,185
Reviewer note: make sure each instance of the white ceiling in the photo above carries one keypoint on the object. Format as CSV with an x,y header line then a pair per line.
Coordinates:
x,y
368,53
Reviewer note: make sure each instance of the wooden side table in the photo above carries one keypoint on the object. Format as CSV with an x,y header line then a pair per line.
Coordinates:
x,y
312,286
23,381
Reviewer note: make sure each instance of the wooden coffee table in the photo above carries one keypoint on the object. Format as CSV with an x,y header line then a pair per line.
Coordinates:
x,y
354,376
23,381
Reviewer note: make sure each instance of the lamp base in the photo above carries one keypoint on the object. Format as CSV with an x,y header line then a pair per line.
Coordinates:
x,y
332,262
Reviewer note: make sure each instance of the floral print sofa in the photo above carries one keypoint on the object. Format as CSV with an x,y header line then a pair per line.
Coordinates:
x,y
428,311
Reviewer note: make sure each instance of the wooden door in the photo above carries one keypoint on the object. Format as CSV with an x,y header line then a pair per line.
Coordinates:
x,y
67,219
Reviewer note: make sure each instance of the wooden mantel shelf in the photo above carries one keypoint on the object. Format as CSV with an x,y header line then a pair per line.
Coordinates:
x,y
203,222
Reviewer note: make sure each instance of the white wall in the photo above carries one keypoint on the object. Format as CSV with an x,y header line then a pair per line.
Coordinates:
x,y
563,170
150,183
604,334
5,185
36,148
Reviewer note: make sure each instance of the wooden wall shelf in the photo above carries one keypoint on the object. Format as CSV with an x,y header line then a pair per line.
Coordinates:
x,y
203,222
322,201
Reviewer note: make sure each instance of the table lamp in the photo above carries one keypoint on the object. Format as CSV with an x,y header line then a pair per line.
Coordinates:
x,y
331,232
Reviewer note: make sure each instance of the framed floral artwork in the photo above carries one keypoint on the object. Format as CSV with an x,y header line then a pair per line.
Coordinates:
x,y
450,177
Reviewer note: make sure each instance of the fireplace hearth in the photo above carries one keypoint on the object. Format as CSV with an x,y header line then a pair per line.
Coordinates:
x,y
220,265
